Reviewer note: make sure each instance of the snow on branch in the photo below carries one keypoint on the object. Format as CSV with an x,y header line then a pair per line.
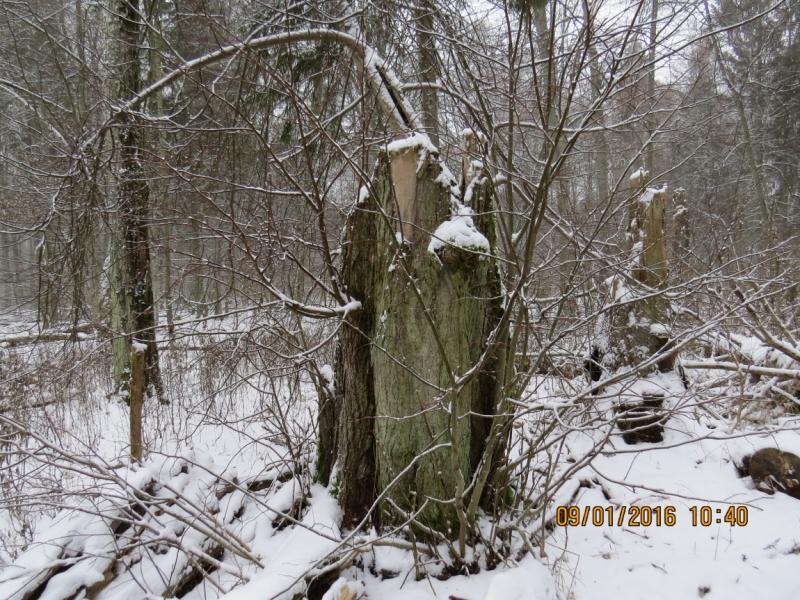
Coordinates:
x,y
380,77
740,368
313,311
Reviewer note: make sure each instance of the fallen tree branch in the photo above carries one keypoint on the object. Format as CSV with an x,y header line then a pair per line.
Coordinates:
x,y
740,368
79,334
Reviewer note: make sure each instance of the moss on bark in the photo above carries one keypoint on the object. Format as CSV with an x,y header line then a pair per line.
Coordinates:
x,y
423,324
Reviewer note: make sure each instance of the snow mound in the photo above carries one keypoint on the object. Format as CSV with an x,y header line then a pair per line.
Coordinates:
x,y
415,140
459,231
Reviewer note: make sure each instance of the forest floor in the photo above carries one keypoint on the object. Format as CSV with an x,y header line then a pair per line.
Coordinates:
x,y
215,505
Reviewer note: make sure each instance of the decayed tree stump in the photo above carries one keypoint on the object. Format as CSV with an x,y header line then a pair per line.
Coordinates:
x,y
642,420
638,318
427,308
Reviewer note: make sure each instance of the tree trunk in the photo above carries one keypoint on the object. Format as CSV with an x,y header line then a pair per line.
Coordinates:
x,y
652,122
133,316
155,41
426,50
638,329
354,404
601,149
405,430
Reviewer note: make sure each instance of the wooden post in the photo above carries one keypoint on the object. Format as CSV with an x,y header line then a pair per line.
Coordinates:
x,y
138,351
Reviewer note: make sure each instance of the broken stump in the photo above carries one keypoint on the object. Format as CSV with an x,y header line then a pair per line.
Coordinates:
x,y
641,420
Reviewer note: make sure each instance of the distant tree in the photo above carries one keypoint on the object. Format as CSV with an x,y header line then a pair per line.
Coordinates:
x,y
132,300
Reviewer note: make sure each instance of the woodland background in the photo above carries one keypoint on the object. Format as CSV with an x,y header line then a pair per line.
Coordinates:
x,y
176,180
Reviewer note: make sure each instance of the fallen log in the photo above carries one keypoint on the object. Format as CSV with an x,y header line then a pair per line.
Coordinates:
x,y
79,334
741,368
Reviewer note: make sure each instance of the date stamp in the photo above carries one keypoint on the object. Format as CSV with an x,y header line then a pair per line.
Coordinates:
x,y
645,516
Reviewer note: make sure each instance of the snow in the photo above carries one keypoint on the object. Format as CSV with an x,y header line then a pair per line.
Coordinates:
x,y
755,349
348,308
459,231
377,71
363,194
391,561
658,329
474,179
313,310
533,582
618,290
415,140
327,374
647,197
694,466
446,178
675,562
288,557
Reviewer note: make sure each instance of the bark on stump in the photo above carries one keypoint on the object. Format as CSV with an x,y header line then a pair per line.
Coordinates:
x,y
638,329
422,314
642,420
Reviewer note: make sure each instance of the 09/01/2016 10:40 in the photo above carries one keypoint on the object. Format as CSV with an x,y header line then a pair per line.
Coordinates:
x,y
645,516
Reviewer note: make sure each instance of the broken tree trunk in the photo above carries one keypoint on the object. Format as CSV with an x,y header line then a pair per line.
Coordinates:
x,y
408,430
639,322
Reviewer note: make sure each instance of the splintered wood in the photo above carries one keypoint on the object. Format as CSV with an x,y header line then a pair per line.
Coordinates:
x,y
647,222
404,178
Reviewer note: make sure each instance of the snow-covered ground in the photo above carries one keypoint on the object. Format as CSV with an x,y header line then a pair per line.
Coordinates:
x,y
758,560
222,498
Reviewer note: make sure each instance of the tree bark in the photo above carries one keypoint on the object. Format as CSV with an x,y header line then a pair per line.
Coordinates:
x,y
132,310
405,430
638,329
346,421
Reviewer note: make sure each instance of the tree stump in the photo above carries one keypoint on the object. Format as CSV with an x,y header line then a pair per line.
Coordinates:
x,y
638,317
641,420
428,305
